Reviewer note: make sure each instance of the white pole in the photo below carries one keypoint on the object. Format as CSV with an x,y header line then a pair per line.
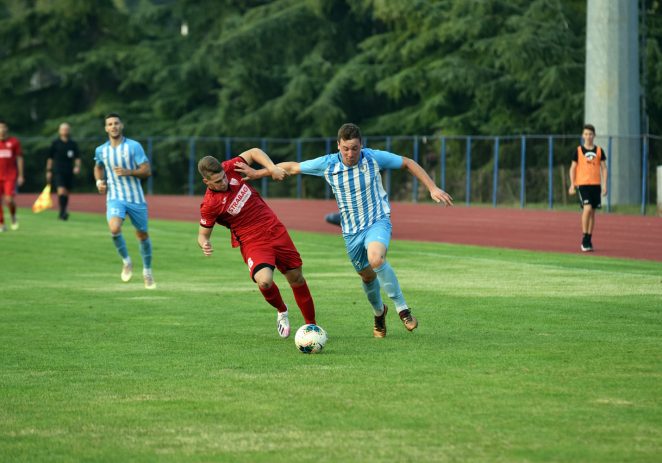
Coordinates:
x,y
612,90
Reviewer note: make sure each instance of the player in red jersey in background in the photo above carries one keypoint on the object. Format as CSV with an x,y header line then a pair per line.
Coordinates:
x,y
11,173
263,240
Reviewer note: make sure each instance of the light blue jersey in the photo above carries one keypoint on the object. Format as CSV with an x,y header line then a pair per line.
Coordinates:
x,y
129,155
359,193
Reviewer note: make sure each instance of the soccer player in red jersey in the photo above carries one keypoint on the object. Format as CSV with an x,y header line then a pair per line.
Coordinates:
x,y
11,173
263,240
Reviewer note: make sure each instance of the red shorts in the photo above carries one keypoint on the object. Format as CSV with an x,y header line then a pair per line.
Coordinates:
x,y
8,187
274,249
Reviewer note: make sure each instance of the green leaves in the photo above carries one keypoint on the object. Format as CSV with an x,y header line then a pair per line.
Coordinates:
x,y
288,68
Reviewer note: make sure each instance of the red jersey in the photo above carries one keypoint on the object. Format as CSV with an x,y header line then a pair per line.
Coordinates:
x,y
240,208
10,150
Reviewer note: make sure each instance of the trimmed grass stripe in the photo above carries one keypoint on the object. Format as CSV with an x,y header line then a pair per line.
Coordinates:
x,y
519,357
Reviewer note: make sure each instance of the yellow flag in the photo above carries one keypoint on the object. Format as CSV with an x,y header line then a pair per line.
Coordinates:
x,y
43,202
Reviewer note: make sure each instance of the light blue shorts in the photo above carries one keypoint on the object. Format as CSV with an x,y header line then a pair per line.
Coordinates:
x,y
357,243
137,213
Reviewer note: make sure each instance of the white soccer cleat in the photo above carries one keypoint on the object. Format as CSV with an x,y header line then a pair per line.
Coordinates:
x,y
127,272
283,324
14,226
149,281
3,228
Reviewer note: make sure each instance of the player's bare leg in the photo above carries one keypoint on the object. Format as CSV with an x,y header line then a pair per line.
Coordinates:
x,y
586,218
146,254
115,226
587,214
264,277
302,294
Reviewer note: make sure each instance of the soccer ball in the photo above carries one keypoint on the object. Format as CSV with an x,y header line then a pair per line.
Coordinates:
x,y
310,339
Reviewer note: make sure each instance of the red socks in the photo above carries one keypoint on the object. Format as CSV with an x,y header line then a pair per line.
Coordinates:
x,y
301,295
273,297
305,302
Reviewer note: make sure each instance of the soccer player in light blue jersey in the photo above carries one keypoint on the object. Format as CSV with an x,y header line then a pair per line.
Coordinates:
x,y
354,175
120,165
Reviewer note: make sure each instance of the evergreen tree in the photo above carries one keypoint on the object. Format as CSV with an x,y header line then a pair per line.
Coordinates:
x,y
288,68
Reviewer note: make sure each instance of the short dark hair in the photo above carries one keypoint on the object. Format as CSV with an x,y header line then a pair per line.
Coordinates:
x,y
2,121
109,115
349,132
209,166
590,127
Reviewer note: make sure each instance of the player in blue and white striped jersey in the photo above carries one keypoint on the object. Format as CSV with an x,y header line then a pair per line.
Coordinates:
x,y
354,175
120,165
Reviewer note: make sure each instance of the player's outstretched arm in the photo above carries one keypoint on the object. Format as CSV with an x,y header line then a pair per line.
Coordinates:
x,y
436,193
257,155
204,235
290,168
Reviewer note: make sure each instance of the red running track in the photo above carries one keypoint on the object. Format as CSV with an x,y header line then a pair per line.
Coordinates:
x,y
615,235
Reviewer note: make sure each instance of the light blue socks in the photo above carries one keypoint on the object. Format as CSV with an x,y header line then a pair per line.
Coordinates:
x,y
146,253
374,296
389,282
120,245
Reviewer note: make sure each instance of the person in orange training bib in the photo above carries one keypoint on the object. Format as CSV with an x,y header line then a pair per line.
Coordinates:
x,y
588,178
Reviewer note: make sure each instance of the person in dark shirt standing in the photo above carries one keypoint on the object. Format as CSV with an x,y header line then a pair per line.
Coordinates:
x,y
62,164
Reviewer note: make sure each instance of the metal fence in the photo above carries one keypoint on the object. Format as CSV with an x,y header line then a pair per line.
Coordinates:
x,y
520,171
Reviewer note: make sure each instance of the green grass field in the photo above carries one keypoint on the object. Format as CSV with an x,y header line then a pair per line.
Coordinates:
x,y
519,357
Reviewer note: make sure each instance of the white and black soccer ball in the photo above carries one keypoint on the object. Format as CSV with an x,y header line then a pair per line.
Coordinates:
x,y
310,339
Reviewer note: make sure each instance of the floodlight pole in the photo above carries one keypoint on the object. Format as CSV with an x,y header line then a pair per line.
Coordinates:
x,y
612,91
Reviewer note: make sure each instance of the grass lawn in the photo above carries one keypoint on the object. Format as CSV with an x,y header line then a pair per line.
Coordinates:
x,y
519,356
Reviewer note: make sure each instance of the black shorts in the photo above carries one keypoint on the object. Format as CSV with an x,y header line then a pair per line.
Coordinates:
x,y
590,195
63,179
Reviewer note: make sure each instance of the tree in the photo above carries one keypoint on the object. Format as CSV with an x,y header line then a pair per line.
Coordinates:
x,y
288,68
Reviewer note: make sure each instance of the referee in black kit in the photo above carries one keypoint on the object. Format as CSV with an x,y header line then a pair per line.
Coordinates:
x,y
62,164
